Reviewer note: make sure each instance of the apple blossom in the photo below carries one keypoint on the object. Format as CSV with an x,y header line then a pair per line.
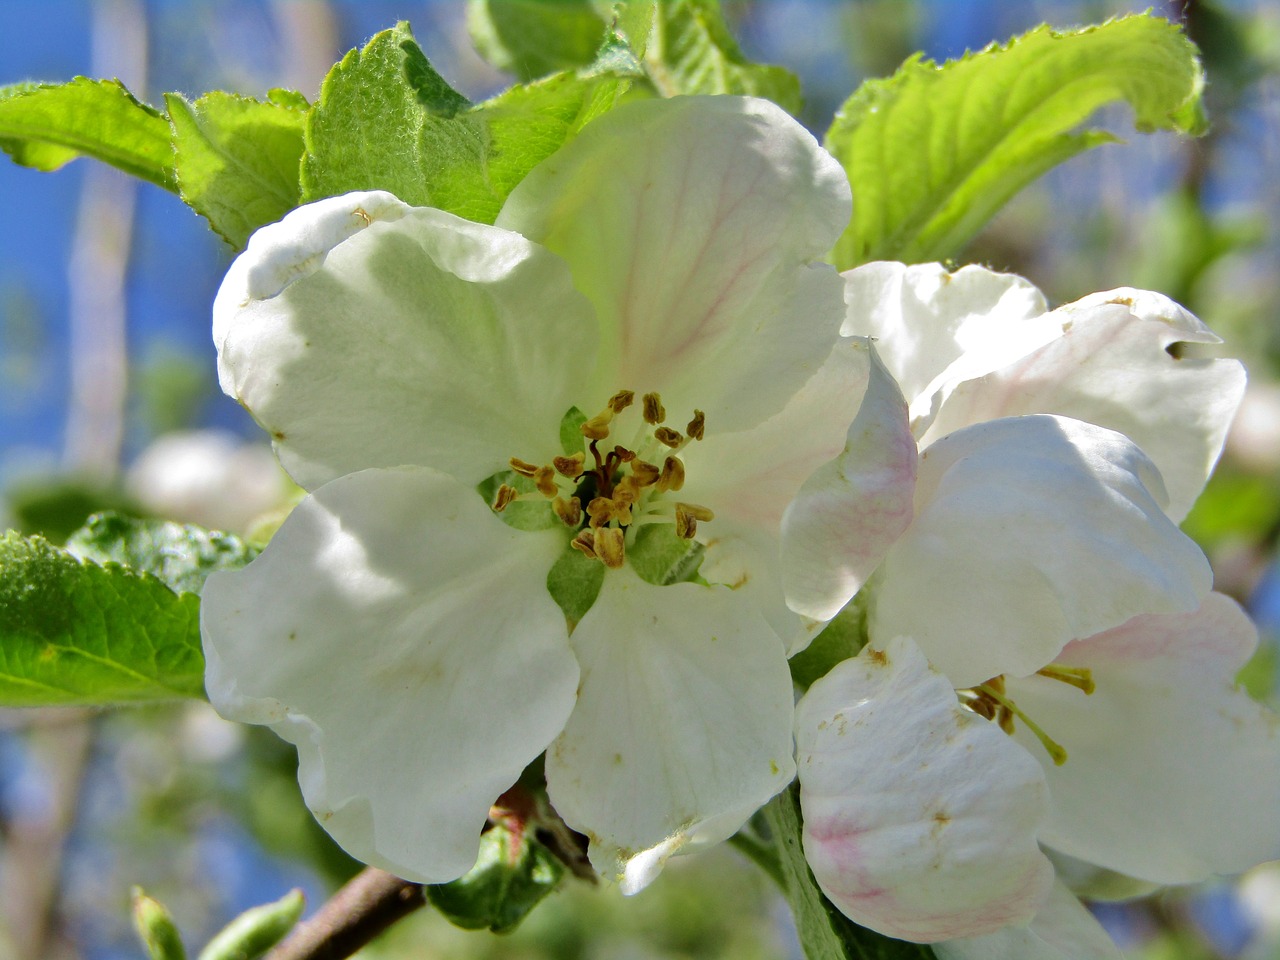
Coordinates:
x,y
1043,580
421,644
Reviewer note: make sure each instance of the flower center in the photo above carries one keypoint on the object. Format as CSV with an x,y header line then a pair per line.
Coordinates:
x,y
989,700
623,486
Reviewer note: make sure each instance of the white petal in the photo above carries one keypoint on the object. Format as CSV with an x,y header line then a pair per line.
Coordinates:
x,y
1031,532
1062,930
690,224
682,728
854,507
427,340
924,317
920,818
402,636
1173,772
1108,364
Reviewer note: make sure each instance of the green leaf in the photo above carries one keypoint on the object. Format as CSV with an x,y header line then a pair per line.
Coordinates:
x,y
934,151
825,933
571,438
181,556
156,929
532,38
257,930
659,557
47,125
238,160
512,875
689,50
574,582
387,121
533,514
73,632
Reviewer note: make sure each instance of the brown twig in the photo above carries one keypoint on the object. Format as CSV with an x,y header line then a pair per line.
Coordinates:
x,y
367,905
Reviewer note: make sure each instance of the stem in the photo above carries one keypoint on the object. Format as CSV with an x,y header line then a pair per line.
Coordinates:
x,y
761,854
370,902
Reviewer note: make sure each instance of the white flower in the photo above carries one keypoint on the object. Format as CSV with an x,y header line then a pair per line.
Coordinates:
x,y
657,274
1044,580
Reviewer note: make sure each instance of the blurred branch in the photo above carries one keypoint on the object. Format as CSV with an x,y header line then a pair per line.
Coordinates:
x,y
367,905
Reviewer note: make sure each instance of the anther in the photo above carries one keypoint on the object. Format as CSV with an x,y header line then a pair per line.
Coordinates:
x,y
621,400
1079,677
609,547
697,426
506,495
645,474
654,412
686,526
585,542
545,478
696,511
597,428
570,467
671,438
569,511
672,476
523,467
623,454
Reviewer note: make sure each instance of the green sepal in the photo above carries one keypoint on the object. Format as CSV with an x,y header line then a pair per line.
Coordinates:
x,y
841,639
825,933
571,439
48,125
574,582
76,633
513,874
659,557
535,514
238,160
257,930
155,928
386,120
532,38
180,555
933,152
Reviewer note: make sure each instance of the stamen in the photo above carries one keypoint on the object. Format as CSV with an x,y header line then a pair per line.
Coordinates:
x,y
696,511
506,495
569,511
697,426
603,510
686,526
545,478
623,455
609,547
665,435
654,412
644,473
585,542
597,428
621,400
523,467
672,476
570,467
1010,709
1079,677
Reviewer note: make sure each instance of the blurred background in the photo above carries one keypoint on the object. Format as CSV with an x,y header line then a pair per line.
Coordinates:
x,y
108,398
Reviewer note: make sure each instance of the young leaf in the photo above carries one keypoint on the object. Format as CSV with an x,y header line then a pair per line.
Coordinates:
x,y
532,38
257,930
47,125
155,928
238,159
181,556
73,632
934,151
825,933
387,121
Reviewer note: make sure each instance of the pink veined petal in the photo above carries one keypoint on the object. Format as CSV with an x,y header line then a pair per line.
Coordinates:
x,y
402,636
1029,533
1172,771
1062,930
694,225
1109,363
920,818
682,727
422,340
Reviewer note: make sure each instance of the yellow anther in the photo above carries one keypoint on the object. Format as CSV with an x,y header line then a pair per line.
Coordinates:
x,y
621,400
696,511
627,491
597,428
569,511
506,495
672,476
672,438
609,547
623,454
523,467
603,510
697,426
686,526
644,474
654,412
545,478
585,542
570,467
1079,677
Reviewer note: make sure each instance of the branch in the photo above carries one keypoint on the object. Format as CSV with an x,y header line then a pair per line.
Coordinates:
x,y
367,905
